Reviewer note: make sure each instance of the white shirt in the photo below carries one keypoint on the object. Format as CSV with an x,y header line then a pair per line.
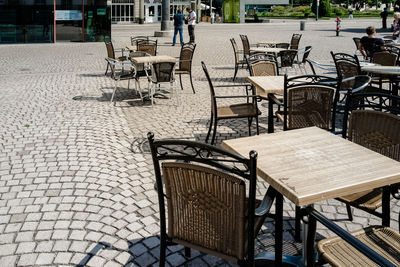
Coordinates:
x,y
192,15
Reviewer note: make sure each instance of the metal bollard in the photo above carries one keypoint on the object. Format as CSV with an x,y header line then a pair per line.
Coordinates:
x,y
338,20
302,25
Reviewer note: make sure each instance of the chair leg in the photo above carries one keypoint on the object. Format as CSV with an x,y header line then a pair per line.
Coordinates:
x,y
175,84
258,130
215,132
236,70
180,79
250,120
348,208
209,128
129,81
163,250
191,82
187,252
108,64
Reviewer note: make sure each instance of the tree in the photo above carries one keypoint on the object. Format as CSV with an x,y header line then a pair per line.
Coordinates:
x,y
324,9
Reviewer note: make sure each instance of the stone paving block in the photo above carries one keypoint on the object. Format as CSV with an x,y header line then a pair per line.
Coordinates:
x,y
63,258
27,259
45,258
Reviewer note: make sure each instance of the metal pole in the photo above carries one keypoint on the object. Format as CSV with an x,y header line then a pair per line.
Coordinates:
x,y
317,10
198,9
211,12
165,23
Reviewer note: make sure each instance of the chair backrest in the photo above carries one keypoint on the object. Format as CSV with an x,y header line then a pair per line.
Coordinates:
x,y
394,50
186,56
294,42
386,103
384,58
246,45
212,92
205,193
263,68
307,51
110,50
287,57
149,47
136,39
282,45
377,131
163,72
346,65
235,50
308,101
357,41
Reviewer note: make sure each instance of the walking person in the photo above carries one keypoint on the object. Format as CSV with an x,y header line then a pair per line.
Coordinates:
x,y
351,13
191,23
178,26
384,15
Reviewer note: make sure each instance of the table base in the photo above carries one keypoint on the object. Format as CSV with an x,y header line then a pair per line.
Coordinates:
x,y
268,259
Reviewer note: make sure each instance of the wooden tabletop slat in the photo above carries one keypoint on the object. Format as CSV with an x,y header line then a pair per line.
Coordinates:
x,y
153,59
310,165
388,70
267,49
267,84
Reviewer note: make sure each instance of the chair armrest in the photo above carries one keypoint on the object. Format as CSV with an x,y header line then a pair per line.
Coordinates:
x,y
267,202
274,99
360,246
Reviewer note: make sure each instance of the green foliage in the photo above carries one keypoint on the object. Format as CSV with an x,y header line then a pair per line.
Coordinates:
x,y
324,9
288,11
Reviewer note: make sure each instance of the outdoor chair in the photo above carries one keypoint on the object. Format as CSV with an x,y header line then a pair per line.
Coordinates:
x,y
371,246
295,41
239,63
287,58
307,101
233,111
209,195
373,121
263,67
394,50
357,41
150,47
120,71
260,56
385,58
111,54
282,45
246,46
136,39
314,64
302,63
142,70
346,65
185,63
162,76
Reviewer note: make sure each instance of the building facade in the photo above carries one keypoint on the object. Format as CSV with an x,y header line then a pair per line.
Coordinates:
x,y
46,21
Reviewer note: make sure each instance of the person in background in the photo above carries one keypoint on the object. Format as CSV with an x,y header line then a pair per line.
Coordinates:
x,y
351,13
369,44
396,24
178,26
384,15
191,23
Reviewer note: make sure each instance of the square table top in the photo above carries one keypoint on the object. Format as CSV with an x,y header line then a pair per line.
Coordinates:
x,y
267,84
310,164
153,59
267,49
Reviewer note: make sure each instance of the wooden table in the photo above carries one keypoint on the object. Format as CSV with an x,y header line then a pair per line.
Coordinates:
x,y
311,165
267,84
152,59
269,43
131,47
267,49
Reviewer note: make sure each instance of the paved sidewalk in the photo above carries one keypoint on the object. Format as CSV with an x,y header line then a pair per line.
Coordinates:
x,y
76,181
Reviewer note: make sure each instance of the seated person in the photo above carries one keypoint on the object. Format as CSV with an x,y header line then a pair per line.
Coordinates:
x,y
369,44
396,24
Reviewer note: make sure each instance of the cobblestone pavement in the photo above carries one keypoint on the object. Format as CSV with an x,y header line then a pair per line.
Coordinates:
x,y
76,184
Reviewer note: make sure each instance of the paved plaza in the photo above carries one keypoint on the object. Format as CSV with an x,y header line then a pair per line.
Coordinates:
x,y
76,178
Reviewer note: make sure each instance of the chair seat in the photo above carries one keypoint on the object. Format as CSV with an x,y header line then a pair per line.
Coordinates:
x,y
303,119
123,58
178,71
237,111
385,241
370,199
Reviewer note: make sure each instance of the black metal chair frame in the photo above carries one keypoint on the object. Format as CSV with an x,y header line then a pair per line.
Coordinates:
x,y
378,102
214,118
191,46
196,152
238,62
338,57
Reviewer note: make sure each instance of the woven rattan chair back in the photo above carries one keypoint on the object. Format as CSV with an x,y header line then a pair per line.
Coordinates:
x,y
206,198
384,58
246,45
282,45
294,42
357,41
377,131
287,57
346,65
309,106
186,57
394,50
235,50
150,47
136,39
110,50
212,199
163,72
263,68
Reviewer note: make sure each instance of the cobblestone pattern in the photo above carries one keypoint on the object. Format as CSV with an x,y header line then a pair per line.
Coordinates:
x,y
76,187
